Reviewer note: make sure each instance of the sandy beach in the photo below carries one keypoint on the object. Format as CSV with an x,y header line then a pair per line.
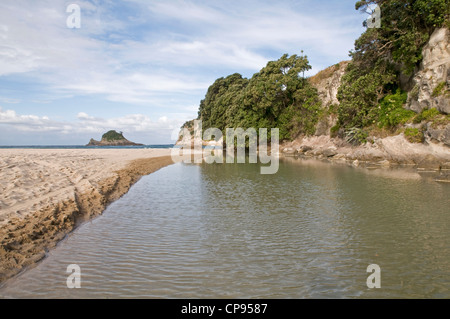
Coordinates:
x,y
47,193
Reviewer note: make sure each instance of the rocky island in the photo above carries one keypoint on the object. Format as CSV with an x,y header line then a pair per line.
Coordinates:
x,y
112,138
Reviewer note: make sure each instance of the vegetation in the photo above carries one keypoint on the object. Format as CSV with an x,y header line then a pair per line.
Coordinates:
x,y
356,136
112,136
380,55
276,97
432,116
414,135
391,112
334,131
370,97
439,90
426,115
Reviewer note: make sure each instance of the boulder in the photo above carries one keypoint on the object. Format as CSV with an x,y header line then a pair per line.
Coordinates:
x,y
439,134
304,149
330,152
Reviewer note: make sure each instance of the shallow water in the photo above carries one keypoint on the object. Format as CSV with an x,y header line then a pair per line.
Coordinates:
x,y
225,231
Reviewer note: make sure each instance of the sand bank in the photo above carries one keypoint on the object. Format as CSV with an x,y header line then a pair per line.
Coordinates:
x,y
46,194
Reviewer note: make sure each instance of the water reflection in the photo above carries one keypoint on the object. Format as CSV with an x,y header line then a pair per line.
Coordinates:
x,y
226,231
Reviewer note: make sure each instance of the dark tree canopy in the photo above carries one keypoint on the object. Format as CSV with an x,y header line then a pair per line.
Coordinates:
x,y
112,136
276,97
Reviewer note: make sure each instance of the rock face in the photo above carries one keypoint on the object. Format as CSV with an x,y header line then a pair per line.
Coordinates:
x,y
327,83
433,73
112,138
439,134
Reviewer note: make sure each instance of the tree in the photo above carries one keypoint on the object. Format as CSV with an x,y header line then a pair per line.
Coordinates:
x,y
381,54
276,97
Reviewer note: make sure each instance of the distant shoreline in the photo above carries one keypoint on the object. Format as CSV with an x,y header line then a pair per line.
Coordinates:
x,y
156,146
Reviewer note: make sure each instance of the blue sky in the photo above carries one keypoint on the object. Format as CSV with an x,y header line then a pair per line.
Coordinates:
x,y
142,67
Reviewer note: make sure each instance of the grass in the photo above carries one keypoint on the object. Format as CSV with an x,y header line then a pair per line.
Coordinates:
x,y
439,90
325,74
414,135
434,116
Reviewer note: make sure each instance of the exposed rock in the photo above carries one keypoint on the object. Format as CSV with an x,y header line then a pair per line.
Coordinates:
x,y
439,134
317,152
433,71
327,83
289,151
304,149
385,163
330,152
428,161
339,157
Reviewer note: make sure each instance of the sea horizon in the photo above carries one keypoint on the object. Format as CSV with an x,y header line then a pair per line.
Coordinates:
x,y
155,146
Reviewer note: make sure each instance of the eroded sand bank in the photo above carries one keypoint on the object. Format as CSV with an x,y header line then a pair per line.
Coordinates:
x,y
45,194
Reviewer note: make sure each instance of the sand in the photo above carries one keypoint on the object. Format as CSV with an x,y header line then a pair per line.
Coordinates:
x,y
46,194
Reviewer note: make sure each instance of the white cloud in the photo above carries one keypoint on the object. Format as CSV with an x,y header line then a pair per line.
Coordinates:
x,y
25,122
132,123
161,55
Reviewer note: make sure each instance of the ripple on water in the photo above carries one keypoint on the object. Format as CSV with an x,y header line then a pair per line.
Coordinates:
x,y
224,231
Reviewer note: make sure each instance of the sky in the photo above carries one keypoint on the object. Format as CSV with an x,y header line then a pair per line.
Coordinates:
x,y
143,66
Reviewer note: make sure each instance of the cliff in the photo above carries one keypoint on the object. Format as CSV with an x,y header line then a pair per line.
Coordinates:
x,y
428,96
112,138
428,89
430,83
327,83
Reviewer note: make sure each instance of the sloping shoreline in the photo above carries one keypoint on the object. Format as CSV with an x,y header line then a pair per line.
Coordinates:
x,y
391,151
26,241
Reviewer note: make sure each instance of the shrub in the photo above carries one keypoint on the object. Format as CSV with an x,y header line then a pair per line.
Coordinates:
x,y
356,136
391,112
414,135
334,131
426,115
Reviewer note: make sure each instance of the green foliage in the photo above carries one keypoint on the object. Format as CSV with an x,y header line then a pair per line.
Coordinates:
x,y
221,101
430,114
356,136
414,93
426,115
278,96
334,131
405,28
440,89
275,97
380,54
414,135
112,136
189,125
360,93
391,112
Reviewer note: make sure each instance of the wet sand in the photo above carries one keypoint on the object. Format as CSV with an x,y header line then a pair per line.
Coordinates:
x,y
46,194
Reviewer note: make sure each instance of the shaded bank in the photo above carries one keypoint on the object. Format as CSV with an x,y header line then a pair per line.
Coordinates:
x,y
23,242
